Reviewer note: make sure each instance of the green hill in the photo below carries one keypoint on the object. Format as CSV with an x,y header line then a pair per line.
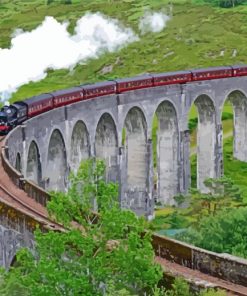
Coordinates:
x,y
196,36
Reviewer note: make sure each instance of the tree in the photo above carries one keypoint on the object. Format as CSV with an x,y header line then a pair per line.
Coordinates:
x,y
222,192
226,232
225,3
97,254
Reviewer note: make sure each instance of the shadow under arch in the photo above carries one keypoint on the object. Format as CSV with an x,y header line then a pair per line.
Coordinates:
x,y
80,147
239,104
18,165
34,170
106,145
206,140
167,152
56,169
14,262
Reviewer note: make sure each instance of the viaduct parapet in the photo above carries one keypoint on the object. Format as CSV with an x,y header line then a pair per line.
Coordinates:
x,y
118,128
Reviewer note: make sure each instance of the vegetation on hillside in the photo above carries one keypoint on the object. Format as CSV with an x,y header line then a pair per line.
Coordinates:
x,y
223,194
183,44
224,232
223,3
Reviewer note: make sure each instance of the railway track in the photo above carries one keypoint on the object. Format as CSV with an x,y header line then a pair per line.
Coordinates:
x,y
199,279
18,199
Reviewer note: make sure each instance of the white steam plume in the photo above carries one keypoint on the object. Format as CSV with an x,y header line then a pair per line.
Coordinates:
x,y
153,22
51,46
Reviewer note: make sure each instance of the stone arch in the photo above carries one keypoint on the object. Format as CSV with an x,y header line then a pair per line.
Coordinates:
x,y
136,150
57,162
167,151
80,148
206,140
18,165
106,145
34,171
239,103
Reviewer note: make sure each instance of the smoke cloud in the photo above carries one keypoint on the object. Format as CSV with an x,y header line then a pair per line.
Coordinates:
x,y
51,46
153,22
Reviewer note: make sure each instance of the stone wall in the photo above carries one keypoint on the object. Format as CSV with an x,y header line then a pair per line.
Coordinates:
x,y
16,231
224,266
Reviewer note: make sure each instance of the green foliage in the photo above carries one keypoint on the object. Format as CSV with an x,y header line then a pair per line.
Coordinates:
x,y
222,3
179,199
221,192
88,190
97,254
213,292
235,169
192,124
225,232
179,288
226,116
174,220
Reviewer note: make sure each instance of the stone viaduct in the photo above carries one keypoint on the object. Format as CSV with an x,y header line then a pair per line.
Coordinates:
x,y
118,128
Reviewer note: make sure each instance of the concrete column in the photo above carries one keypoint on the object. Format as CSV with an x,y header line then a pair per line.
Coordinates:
x,y
33,171
206,153
24,155
67,153
184,162
122,178
79,149
56,169
149,210
206,141
240,131
106,146
167,153
219,168
137,159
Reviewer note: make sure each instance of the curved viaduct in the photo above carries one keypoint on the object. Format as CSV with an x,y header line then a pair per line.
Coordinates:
x,y
48,146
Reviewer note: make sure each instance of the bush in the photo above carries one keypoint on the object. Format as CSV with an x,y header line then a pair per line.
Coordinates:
x,y
223,3
226,116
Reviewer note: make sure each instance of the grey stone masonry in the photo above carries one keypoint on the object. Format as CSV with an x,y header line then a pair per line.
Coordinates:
x,y
118,129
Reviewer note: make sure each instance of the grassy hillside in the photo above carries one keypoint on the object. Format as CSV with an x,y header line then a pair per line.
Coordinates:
x,y
196,36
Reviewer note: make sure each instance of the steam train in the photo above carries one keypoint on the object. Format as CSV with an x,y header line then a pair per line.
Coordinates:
x,y
15,114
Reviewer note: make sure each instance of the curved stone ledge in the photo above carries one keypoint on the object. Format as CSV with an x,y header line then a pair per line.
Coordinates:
x,y
224,266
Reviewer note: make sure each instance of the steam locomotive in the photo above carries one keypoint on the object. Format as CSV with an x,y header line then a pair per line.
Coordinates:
x,y
15,114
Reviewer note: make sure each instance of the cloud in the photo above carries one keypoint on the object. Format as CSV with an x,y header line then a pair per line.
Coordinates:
x,y
51,46
153,22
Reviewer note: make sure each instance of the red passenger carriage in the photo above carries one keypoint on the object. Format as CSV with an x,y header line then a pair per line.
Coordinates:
x,y
211,73
133,83
18,112
67,96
